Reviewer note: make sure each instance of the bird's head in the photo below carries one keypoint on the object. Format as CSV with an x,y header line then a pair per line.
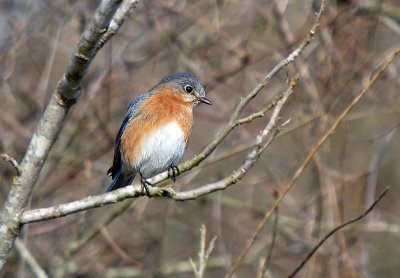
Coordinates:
x,y
188,86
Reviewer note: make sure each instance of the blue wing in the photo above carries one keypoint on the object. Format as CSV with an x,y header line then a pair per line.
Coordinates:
x,y
116,168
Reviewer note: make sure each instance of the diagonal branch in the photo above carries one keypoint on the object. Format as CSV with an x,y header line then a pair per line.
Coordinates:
x,y
233,122
307,160
30,259
341,226
90,202
64,96
123,12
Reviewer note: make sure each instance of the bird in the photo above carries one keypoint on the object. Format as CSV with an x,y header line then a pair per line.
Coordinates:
x,y
155,130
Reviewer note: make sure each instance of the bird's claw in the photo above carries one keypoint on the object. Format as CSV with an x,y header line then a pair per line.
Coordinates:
x,y
173,171
145,183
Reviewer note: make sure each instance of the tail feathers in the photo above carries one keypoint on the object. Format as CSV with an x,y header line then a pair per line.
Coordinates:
x,y
119,181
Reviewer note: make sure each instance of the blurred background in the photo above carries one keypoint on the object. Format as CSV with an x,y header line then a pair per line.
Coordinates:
x,y
230,46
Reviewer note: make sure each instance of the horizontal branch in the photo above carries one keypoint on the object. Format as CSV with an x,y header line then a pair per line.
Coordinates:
x,y
51,123
134,191
234,120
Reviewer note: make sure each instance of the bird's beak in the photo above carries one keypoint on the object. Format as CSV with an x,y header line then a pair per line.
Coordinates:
x,y
205,100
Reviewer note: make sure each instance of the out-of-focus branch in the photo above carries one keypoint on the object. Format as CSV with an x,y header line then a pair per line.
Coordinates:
x,y
309,157
76,245
42,214
233,122
137,190
65,95
117,248
204,254
30,259
167,270
325,238
370,186
295,53
266,262
373,6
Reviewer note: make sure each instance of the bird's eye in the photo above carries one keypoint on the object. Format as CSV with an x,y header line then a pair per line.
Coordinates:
x,y
188,89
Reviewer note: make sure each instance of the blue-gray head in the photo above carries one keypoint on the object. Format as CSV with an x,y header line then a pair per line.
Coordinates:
x,y
190,85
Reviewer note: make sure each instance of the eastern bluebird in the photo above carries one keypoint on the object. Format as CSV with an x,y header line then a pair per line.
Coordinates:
x,y
155,130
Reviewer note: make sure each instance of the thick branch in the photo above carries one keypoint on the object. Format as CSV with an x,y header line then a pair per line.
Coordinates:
x,y
123,12
50,124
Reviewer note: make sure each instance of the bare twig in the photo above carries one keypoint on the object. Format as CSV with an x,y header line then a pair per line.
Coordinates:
x,y
296,52
351,221
90,202
65,95
310,156
117,248
13,162
123,12
76,245
30,259
272,244
233,122
167,270
204,254
371,185
189,164
373,6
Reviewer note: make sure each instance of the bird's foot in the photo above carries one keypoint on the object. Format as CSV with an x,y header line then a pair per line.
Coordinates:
x,y
145,183
173,171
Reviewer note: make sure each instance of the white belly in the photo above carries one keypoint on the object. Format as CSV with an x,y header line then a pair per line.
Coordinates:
x,y
160,150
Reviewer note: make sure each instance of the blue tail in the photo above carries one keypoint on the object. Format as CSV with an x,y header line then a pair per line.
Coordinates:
x,y
120,181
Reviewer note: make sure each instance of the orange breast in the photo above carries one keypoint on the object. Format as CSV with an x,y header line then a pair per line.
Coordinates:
x,y
160,109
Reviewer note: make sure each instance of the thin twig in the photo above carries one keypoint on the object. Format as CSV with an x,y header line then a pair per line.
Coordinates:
x,y
186,166
298,50
123,12
13,162
51,122
30,259
310,156
76,245
204,254
90,202
258,114
117,248
351,221
273,240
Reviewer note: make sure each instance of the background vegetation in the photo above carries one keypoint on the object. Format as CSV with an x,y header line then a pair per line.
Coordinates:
x,y
230,46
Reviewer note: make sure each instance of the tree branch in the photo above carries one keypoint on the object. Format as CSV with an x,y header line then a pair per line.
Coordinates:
x,y
13,162
233,122
204,254
341,226
123,12
65,95
30,259
307,160
134,191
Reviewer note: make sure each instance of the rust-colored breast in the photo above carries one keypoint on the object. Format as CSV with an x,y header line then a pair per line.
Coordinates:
x,y
157,111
